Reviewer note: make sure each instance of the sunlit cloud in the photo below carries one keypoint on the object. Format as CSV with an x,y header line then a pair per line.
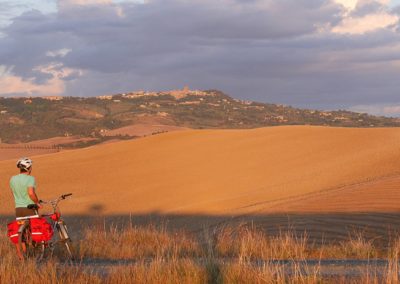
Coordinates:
x,y
85,2
348,4
59,53
57,70
351,5
368,23
375,15
12,84
379,109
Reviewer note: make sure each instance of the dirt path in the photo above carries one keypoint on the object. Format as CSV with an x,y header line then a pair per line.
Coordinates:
x,y
326,268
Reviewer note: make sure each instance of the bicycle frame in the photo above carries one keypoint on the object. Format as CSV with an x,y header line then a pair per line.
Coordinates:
x,y
58,224
56,215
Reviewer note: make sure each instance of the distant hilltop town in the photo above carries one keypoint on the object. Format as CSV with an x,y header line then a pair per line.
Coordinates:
x,y
35,118
178,94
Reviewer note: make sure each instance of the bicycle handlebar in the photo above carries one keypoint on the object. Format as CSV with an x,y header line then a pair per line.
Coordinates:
x,y
66,195
55,201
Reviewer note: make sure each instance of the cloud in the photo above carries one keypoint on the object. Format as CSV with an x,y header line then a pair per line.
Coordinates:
x,y
351,5
379,109
58,53
311,53
13,85
86,2
50,80
392,110
348,4
366,24
365,16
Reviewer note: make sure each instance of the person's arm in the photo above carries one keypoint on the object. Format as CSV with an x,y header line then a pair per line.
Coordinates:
x,y
33,196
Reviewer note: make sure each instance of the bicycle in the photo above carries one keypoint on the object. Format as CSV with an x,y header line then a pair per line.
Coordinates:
x,y
33,243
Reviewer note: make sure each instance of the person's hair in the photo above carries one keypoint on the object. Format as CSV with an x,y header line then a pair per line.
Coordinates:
x,y
23,170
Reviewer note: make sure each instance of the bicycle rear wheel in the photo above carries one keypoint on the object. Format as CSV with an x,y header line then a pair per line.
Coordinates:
x,y
26,247
24,238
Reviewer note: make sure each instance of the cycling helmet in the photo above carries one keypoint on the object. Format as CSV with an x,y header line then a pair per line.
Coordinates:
x,y
24,164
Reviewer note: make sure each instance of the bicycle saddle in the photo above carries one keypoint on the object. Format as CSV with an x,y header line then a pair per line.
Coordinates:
x,y
33,206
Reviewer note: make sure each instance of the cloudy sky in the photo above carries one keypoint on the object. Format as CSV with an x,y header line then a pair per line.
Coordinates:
x,y
324,54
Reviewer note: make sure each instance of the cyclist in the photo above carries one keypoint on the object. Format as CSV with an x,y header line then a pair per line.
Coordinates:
x,y
23,187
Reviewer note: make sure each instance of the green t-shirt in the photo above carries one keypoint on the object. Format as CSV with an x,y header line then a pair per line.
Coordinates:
x,y
19,185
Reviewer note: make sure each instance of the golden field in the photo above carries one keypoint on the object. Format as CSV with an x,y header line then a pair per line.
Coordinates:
x,y
226,172
294,193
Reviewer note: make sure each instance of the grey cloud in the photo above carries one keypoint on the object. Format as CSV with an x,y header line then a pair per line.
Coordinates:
x,y
365,8
260,49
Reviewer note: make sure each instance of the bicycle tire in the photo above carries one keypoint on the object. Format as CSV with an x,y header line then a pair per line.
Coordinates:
x,y
23,240
65,239
39,251
32,249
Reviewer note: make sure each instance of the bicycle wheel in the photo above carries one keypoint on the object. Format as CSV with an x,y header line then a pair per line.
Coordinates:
x,y
28,248
65,239
24,240
38,250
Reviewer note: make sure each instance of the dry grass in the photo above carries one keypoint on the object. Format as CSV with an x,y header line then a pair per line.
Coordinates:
x,y
134,242
160,271
225,255
247,242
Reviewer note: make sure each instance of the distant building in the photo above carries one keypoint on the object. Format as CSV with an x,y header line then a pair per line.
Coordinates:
x,y
178,94
52,98
104,97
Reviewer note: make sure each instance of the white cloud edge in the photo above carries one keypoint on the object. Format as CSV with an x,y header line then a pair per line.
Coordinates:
x,y
12,84
378,109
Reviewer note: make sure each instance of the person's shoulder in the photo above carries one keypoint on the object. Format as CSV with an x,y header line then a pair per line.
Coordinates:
x,y
29,177
14,177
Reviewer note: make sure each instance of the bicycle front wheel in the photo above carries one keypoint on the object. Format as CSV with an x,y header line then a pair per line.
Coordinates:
x,y
65,239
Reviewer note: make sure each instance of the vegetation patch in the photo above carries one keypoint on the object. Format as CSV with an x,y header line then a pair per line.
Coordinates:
x,y
28,119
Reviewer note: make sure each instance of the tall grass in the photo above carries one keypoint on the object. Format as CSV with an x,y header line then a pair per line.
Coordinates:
x,y
242,254
134,242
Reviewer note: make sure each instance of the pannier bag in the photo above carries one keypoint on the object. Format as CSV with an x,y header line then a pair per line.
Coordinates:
x,y
41,230
12,231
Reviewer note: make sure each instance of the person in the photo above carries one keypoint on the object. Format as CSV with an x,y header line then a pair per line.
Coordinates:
x,y
23,187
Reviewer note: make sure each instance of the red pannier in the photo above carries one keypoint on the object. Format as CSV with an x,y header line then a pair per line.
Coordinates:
x,y
12,231
41,230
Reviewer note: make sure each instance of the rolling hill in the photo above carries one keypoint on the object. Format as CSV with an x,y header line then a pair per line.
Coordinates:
x,y
224,172
135,114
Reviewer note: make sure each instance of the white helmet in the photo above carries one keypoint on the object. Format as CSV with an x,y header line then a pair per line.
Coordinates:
x,y
24,163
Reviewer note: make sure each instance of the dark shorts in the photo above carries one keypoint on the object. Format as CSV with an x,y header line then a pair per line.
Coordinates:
x,y
23,212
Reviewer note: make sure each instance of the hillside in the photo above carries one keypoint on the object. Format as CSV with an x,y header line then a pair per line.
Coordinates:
x,y
214,171
130,115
